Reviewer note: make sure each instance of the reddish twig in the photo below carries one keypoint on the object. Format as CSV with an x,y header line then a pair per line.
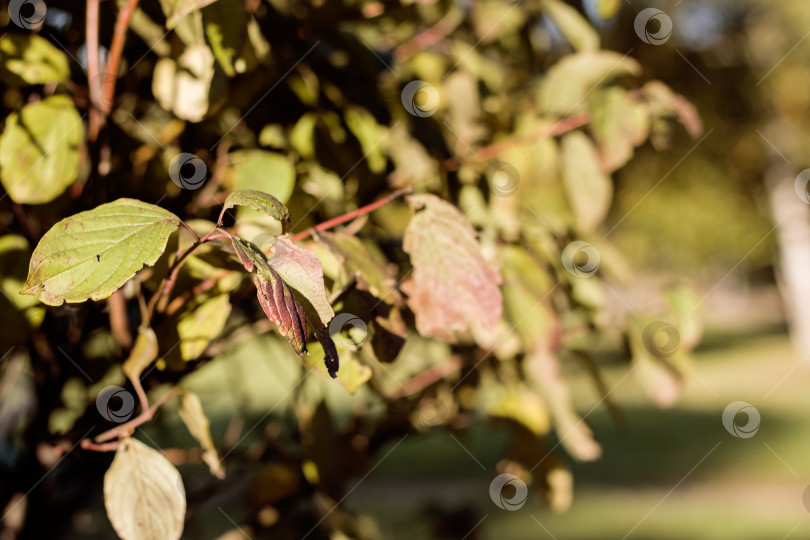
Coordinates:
x,y
116,50
328,224
91,36
429,37
119,322
494,150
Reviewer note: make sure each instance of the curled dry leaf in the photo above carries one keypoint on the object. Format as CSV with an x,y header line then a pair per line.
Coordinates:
x,y
454,288
282,308
275,296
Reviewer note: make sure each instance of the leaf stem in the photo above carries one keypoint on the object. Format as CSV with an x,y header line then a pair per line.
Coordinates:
x,y
563,126
328,224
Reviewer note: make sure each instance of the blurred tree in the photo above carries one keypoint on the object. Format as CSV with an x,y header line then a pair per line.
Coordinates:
x,y
211,141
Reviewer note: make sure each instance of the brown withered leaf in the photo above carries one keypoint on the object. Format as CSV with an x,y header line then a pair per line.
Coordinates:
x,y
330,358
281,307
302,270
453,288
275,296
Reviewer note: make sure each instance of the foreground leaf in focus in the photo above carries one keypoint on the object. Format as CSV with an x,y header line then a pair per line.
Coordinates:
x,y
91,254
302,270
259,201
454,287
144,494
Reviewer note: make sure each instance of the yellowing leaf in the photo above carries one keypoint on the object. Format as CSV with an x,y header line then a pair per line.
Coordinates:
x,y
570,80
23,311
542,368
573,25
31,59
177,9
199,326
589,189
619,124
302,270
192,413
454,287
144,494
358,261
39,150
143,353
182,87
91,254
259,201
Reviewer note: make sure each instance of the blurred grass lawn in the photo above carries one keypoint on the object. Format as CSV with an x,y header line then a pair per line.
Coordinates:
x,y
745,488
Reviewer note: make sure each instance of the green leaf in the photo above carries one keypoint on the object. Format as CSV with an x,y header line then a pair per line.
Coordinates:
x,y
261,170
526,295
193,416
143,353
91,254
183,86
24,312
454,287
368,267
31,59
619,124
570,80
363,125
302,270
199,326
144,494
225,22
589,189
261,202
573,25
39,150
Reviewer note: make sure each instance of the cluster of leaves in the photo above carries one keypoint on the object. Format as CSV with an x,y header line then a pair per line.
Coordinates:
x,y
466,301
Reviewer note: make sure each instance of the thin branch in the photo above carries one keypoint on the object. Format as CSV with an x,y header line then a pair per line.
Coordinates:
x,y
116,50
91,36
328,224
494,150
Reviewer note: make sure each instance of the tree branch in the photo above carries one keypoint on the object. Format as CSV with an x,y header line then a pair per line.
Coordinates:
x,y
334,222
